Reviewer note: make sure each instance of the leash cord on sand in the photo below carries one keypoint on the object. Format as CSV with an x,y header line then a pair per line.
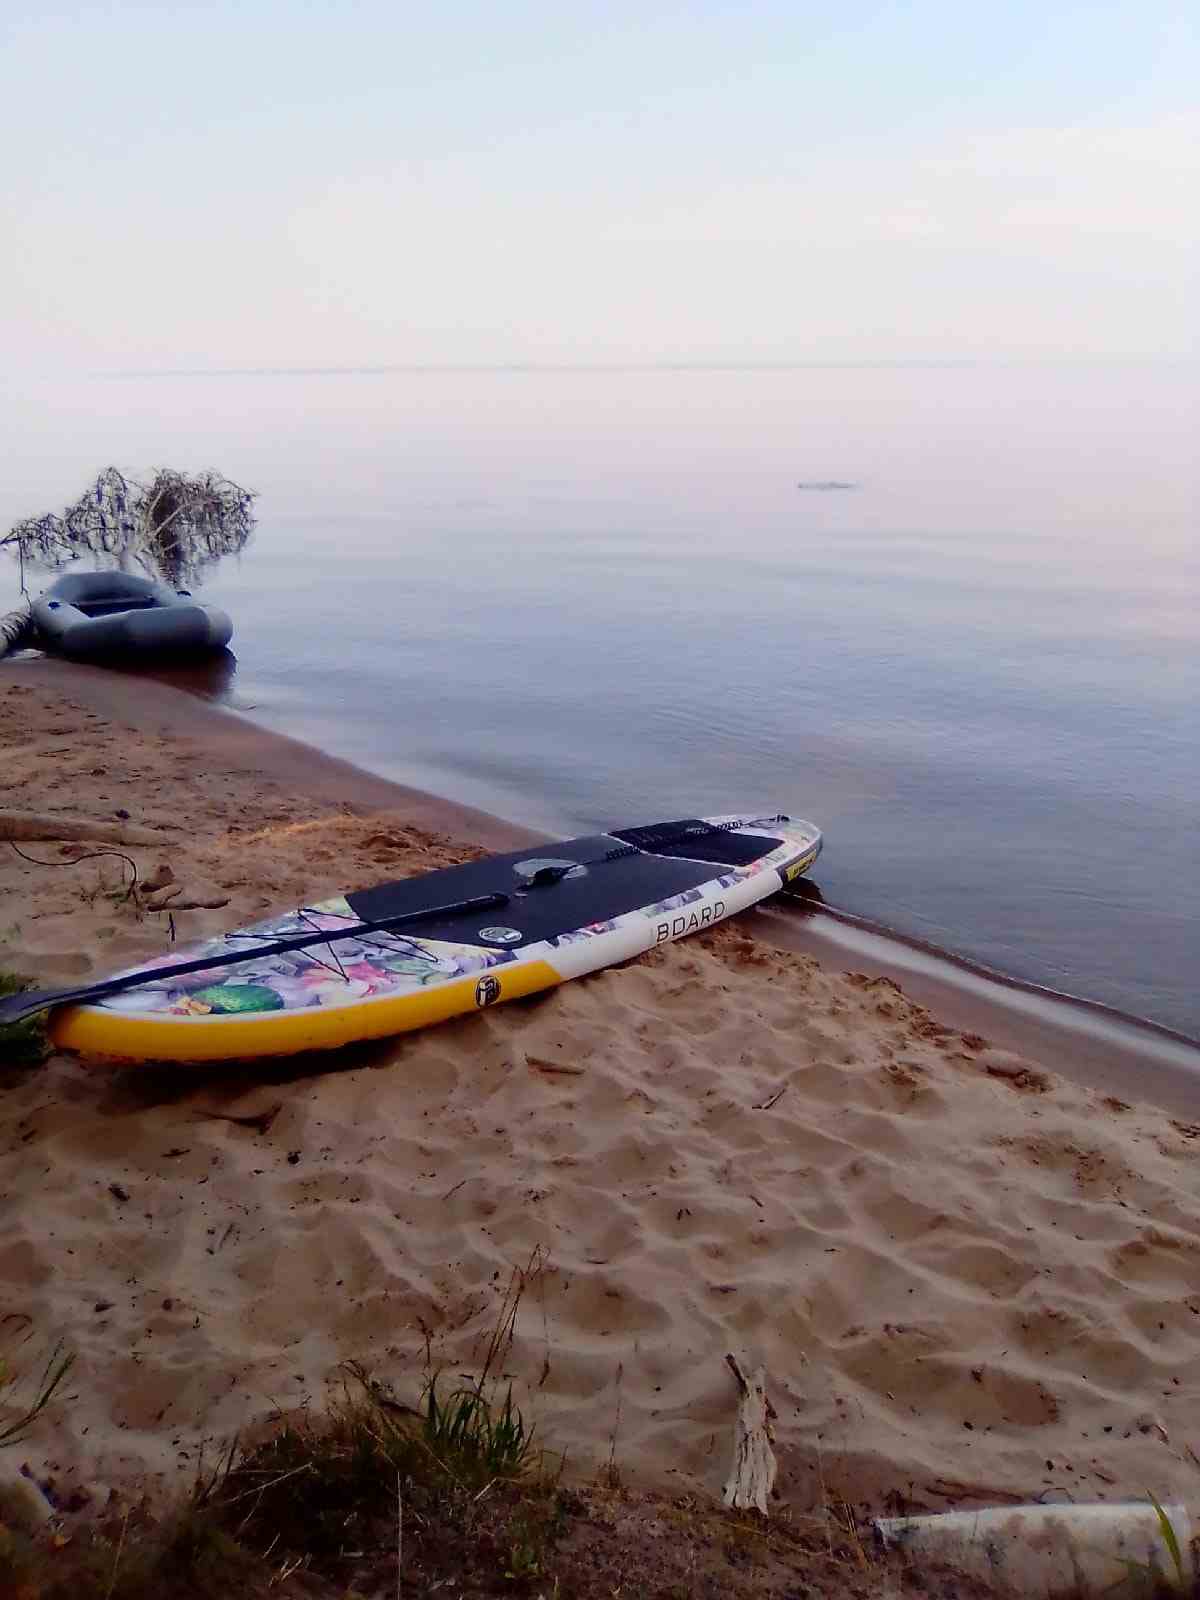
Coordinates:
x,y
89,855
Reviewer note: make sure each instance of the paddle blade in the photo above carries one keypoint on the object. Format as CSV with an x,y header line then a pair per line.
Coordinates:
x,y
18,1007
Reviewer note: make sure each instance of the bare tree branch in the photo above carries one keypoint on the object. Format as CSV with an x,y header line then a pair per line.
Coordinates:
x,y
175,527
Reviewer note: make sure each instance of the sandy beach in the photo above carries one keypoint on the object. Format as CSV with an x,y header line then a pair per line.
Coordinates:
x,y
970,1279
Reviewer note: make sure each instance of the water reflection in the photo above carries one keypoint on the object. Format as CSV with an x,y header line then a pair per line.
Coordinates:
x,y
804,897
211,677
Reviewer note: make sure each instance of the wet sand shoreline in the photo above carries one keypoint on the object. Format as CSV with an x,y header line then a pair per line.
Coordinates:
x,y
1087,1041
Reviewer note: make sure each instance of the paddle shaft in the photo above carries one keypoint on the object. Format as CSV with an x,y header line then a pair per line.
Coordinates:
x,y
16,1007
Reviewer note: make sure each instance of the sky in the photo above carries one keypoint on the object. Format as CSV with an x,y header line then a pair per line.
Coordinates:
x,y
259,184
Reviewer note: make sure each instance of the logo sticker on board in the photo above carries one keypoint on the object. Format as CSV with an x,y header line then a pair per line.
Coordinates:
x,y
500,935
487,992
797,867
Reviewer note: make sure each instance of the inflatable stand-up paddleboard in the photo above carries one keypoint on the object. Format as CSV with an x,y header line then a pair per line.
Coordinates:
x,y
416,951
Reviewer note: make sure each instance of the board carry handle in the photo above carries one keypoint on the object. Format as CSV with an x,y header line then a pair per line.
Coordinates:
x,y
17,1007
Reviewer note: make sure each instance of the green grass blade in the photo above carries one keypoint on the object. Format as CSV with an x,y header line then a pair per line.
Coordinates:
x,y
1167,1530
57,1367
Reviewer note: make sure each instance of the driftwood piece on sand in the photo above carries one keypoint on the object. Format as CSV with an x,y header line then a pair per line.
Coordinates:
x,y
171,896
15,628
177,898
752,1471
94,830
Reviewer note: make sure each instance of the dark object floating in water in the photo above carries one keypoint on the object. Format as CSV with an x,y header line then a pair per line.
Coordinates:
x,y
825,485
96,615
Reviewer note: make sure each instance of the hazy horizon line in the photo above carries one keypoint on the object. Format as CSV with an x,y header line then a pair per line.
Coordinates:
x,y
384,369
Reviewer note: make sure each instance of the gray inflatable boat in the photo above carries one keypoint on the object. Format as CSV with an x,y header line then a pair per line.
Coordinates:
x,y
92,615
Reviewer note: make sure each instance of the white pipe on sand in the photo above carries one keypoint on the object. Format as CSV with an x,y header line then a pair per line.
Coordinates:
x,y
1052,1550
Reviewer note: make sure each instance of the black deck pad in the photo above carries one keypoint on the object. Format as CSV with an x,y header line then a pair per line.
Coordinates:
x,y
700,841
606,888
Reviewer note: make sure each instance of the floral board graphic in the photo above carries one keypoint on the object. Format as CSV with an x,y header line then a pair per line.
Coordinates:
x,y
673,902
591,931
340,973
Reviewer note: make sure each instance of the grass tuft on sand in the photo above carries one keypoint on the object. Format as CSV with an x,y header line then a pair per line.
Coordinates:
x,y
377,1499
22,1044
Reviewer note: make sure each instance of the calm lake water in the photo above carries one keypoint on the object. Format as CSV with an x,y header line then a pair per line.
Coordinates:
x,y
581,599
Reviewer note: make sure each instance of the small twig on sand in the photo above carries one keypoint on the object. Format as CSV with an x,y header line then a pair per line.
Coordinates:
x,y
610,1471
824,1499
112,1582
399,1535
261,1488
169,902
774,1100
553,1068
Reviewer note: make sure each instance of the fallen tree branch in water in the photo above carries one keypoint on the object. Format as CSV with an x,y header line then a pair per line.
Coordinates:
x,y
174,527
